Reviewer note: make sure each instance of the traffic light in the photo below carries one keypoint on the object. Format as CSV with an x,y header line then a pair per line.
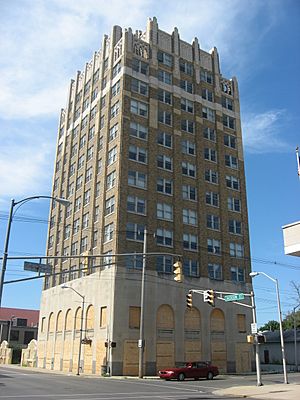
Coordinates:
x,y
85,262
209,297
189,300
178,271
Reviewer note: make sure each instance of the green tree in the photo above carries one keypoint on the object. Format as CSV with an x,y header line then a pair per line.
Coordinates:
x,y
270,326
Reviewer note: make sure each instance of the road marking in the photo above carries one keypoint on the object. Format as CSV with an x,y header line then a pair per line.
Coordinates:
x,y
134,395
165,385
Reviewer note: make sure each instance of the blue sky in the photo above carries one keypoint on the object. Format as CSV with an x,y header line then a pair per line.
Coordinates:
x,y
44,43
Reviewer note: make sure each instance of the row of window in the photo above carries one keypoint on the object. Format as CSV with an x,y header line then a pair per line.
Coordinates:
x,y
165,117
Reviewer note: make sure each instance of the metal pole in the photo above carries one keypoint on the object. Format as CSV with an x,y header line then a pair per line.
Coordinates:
x,y
256,345
281,333
80,336
295,337
5,253
141,340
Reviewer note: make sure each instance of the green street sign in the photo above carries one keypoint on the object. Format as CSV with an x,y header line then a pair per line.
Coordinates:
x,y
234,297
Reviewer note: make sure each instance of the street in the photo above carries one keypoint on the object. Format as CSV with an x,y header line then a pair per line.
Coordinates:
x,y
22,383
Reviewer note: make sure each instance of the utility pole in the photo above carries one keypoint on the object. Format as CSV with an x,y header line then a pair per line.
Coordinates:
x,y
295,337
257,359
141,343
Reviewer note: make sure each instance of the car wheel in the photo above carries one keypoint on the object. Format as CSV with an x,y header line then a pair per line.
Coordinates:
x,y
210,375
196,379
181,377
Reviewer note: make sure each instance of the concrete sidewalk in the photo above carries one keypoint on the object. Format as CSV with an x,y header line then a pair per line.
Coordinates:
x,y
269,391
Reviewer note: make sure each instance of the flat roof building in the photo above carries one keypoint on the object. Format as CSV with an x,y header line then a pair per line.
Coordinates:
x,y
150,139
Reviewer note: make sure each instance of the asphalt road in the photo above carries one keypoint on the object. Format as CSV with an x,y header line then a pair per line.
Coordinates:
x,y
20,383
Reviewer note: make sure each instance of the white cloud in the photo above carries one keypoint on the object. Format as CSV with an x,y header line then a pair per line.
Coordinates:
x,y
261,132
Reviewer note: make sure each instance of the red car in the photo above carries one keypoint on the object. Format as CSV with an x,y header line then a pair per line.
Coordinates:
x,y
195,370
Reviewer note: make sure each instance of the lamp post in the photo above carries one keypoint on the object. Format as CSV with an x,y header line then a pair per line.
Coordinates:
x,y
257,358
295,337
10,219
253,274
141,343
81,324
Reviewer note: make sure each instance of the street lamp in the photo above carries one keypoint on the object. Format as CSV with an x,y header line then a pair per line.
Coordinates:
x,y
81,324
14,203
254,274
295,336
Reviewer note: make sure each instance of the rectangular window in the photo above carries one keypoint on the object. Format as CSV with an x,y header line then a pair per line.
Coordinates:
x,y
207,95
86,197
112,156
214,246
134,262
134,317
186,67
136,205
114,110
228,121
164,186
135,232
190,267
110,205
188,147
230,141
164,139
139,87
188,169
241,323
93,113
165,58
164,211
77,204
164,96
110,180
140,66
138,154
189,217
164,264
187,125
164,162
208,114
91,132
138,131
212,199
165,117
227,103
237,274
137,179
232,182
116,69
231,161
215,271
210,154
189,192
165,77
213,222
74,248
115,89
209,133
89,174
234,204
90,153
235,227
108,232
164,237
236,250
139,108
190,242
206,76
186,85
187,105
113,132
83,244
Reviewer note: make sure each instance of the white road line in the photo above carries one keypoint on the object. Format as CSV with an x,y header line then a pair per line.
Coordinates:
x,y
167,385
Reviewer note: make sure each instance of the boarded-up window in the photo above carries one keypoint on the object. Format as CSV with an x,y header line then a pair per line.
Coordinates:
x,y
59,322
103,317
134,317
78,317
68,321
217,321
51,323
241,322
90,317
165,317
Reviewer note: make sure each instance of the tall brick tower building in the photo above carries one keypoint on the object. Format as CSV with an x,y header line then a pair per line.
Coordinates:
x,y
150,139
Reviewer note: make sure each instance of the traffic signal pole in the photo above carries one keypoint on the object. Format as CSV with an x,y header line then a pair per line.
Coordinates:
x,y
141,343
257,359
